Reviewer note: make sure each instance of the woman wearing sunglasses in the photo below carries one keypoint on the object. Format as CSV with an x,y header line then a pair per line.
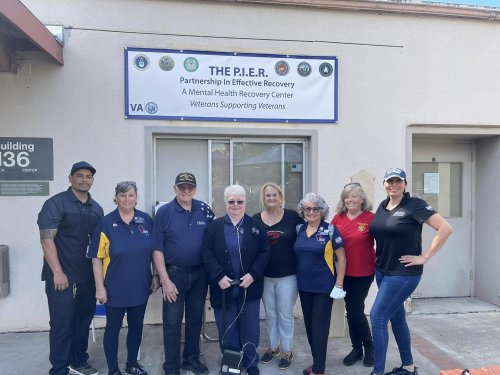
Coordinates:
x,y
353,220
319,279
235,253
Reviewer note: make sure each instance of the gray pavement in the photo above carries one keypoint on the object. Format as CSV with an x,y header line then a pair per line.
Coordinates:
x,y
446,333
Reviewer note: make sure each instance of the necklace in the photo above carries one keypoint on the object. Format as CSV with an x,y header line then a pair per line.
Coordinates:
x,y
272,218
353,216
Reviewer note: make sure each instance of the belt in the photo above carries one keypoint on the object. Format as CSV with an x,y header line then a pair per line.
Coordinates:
x,y
183,269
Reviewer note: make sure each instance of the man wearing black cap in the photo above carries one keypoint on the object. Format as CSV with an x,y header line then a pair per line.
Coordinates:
x,y
178,234
66,223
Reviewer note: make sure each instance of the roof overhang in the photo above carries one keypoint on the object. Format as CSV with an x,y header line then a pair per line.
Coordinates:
x,y
20,30
410,7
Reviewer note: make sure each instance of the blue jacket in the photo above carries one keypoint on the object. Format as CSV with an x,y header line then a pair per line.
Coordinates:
x,y
255,255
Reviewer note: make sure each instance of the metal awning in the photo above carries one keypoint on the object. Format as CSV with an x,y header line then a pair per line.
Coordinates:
x,y
20,30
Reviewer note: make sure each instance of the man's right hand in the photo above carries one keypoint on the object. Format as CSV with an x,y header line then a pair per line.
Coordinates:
x,y
60,281
169,290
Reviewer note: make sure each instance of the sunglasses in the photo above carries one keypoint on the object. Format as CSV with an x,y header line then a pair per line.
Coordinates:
x,y
235,203
312,209
352,183
186,187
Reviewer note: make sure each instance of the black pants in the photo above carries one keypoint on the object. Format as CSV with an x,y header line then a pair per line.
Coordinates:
x,y
356,291
114,322
317,310
192,285
71,311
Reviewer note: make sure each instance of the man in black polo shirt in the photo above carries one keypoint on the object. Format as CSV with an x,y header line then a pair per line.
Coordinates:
x,y
66,223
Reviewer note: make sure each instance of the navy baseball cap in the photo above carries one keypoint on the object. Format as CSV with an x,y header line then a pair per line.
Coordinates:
x,y
395,172
185,178
82,165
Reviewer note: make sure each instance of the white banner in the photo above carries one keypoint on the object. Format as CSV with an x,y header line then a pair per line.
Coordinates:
x,y
227,86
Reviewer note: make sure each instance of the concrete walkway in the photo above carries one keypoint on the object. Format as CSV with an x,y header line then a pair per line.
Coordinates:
x,y
446,333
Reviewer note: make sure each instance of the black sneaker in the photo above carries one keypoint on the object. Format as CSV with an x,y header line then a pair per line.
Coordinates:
x,y
368,359
285,361
402,371
85,369
195,366
269,355
353,357
135,369
308,370
115,372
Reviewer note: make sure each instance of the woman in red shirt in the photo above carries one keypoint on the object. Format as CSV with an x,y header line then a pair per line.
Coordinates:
x,y
353,221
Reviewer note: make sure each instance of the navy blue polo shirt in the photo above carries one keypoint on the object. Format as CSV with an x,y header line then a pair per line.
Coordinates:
x,y
126,251
315,258
178,233
398,232
75,222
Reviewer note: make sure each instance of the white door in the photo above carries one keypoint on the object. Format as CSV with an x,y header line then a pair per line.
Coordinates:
x,y
442,176
174,156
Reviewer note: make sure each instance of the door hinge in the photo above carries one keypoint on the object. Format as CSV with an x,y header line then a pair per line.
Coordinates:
x,y
471,276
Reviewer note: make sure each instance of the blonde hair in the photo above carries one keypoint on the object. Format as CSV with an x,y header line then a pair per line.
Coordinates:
x,y
274,185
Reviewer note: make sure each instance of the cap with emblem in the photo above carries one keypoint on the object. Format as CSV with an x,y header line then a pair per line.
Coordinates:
x,y
82,165
395,172
185,179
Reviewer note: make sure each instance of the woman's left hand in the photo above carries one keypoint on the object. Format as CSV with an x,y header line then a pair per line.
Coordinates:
x,y
246,280
413,260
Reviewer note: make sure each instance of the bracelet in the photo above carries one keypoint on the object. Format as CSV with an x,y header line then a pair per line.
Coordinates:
x,y
339,286
156,275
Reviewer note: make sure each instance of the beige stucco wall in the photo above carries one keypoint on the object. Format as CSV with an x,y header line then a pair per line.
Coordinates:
x,y
394,70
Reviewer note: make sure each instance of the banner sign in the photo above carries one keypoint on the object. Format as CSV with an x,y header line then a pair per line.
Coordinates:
x,y
24,159
228,86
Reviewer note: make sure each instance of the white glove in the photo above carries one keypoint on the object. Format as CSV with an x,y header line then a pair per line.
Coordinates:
x,y
337,292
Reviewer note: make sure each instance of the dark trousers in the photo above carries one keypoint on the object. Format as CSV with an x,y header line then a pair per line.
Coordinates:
x,y
356,291
192,286
71,312
317,310
114,322
240,331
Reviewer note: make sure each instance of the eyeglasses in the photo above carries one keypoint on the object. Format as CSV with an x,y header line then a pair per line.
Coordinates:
x,y
352,183
235,203
186,187
312,209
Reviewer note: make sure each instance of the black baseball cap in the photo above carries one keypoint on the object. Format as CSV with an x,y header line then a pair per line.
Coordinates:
x,y
185,178
82,165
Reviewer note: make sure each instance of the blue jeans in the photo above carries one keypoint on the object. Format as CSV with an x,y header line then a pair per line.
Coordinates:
x,y
389,305
280,295
192,286
114,322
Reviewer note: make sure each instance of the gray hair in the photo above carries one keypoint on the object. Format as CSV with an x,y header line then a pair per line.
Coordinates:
x,y
318,201
124,186
234,190
348,189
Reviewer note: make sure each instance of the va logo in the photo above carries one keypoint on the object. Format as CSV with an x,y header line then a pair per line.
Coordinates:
x,y
150,107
